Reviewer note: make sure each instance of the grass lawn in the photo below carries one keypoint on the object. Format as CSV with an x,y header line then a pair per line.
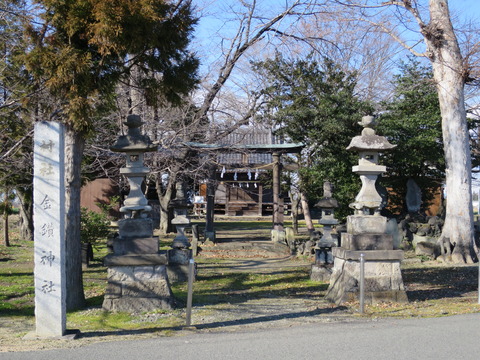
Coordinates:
x,y
433,290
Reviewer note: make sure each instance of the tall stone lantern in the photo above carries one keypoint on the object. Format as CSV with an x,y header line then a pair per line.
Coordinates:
x,y
134,145
368,233
369,146
137,271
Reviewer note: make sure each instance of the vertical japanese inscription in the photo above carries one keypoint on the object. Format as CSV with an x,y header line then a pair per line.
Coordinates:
x,y
49,215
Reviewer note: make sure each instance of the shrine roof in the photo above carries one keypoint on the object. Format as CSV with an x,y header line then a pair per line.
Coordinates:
x,y
286,148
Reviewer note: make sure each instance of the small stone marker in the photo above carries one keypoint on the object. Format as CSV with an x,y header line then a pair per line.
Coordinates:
x,y
413,198
49,229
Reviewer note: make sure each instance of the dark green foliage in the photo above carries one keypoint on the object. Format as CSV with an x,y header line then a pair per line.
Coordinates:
x,y
6,200
412,121
83,48
93,226
315,103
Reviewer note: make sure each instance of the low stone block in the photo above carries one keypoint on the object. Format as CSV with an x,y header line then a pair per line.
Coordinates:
x,y
179,256
383,279
138,289
120,273
137,305
367,241
135,228
145,289
426,248
425,245
278,236
370,255
359,224
289,235
138,245
179,272
113,289
320,273
135,260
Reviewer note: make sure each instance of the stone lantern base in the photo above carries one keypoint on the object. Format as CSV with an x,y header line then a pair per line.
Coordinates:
x,y
137,283
383,278
178,264
321,273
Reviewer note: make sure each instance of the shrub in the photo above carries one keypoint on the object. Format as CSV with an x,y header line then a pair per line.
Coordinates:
x,y
93,226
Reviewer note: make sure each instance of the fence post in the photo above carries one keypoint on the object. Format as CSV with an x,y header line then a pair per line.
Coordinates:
x,y
191,267
362,283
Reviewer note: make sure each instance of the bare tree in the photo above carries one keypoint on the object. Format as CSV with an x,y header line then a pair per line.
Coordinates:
x,y
451,70
225,100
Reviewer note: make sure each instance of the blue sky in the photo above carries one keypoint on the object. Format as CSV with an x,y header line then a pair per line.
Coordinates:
x,y
470,6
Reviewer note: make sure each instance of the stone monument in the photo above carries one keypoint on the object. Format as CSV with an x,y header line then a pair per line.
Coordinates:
x,y
137,271
367,233
49,230
413,198
322,269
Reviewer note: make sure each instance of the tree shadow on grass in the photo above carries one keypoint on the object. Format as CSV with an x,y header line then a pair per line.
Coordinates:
x,y
440,282
220,324
235,288
6,311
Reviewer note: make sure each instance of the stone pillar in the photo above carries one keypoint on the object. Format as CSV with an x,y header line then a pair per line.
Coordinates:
x,y
49,229
367,233
137,271
278,231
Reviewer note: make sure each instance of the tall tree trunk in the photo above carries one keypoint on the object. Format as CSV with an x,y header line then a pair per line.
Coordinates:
x,y
74,144
306,213
295,198
164,199
449,74
26,212
210,201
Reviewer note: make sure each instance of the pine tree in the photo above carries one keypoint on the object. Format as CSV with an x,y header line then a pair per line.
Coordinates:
x,y
413,122
79,51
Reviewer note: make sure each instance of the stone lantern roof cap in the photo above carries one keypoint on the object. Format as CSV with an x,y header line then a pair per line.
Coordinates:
x,y
327,203
134,141
369,141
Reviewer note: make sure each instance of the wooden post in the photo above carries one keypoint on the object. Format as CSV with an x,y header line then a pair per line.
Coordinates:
x,y
260,199
210,205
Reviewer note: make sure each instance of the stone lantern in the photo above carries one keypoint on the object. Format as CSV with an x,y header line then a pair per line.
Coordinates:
x,y
181,219
327,205
134,145
368,146
321,270
137,271
368,233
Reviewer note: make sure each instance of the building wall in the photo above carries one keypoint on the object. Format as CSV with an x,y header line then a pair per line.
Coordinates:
x,y
97,191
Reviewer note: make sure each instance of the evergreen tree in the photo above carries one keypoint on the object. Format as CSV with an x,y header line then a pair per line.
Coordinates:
x,y
412,121
315,103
